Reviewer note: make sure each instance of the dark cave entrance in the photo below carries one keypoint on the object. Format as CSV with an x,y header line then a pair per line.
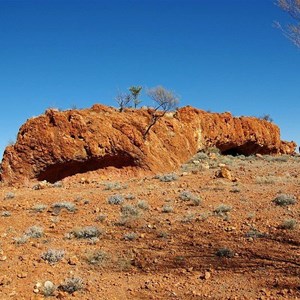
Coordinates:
x,y
58,171
247,149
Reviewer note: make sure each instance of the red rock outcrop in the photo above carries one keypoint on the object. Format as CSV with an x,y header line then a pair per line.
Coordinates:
x,y
60,144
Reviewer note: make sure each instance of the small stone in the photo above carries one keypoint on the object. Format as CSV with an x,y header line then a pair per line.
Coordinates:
x,y
22,275
48,284
36,291
73,260
207,275
205,166
3,258
38,285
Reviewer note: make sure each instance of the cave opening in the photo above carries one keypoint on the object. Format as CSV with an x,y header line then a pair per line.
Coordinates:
x,y
59,171
247,149
232,152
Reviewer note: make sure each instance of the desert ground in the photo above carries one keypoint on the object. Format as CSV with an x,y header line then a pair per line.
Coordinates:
x,y
197,233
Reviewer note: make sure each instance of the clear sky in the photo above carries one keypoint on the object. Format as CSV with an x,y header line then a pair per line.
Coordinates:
x,y
217,55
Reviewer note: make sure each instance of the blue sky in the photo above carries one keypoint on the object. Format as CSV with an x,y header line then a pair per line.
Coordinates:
x,y
217,55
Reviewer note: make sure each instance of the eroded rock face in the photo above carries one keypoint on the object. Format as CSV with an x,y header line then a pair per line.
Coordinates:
x,y
60,144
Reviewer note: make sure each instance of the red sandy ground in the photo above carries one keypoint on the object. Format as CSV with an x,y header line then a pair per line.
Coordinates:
x,y
174,253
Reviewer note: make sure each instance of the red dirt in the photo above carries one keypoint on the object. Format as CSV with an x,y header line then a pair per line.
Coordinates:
x,y
173,255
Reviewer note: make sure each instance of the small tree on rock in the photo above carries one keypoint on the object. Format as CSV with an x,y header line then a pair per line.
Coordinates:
x,y
135,91
123,100
165,100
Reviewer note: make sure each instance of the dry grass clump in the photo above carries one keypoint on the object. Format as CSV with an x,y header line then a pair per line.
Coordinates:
x,y
224,252
284,200
167,177
86,232
97,257
71,285
69,206
53,256
288,224
265,179
188,196
115,200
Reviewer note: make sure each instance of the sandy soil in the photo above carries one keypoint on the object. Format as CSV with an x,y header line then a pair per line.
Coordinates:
x,y
197,236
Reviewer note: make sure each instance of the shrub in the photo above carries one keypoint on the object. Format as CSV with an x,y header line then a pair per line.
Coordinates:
x,y
6,213
130,236
71,285
65,204
9,195
21,240
115,199
235,190
34,232
53,256
101,218
167,208
289,224
254,233
189,217
266,117
168,177
130,211
224,252
143,204
162,235
188,196
86,232
39,207
222,209
265,179
114,186
97,257
128,214
48,288
284,200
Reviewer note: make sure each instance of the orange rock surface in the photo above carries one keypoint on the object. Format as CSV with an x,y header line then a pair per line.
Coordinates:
x,y
60,144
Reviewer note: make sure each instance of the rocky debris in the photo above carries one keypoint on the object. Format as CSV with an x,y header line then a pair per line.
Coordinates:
x,y
58,144
225,172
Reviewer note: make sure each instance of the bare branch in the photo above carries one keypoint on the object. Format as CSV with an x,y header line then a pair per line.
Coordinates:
x,y
165,100
123,100
291,31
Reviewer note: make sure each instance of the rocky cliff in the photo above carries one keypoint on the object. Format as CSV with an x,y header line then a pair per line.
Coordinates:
x,y
60,144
